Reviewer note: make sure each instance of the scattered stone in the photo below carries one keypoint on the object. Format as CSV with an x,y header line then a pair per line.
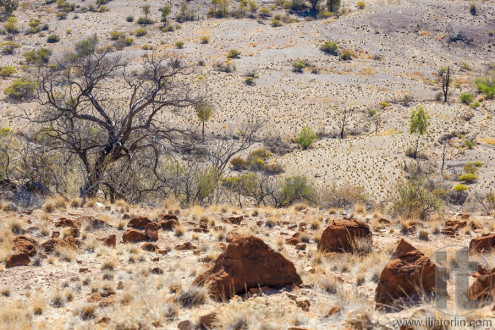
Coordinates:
x,y
157,271
303,304
301,246
151,230
235,220
64,222
185,246
247,263
24,244
95,297
343,235
208,320
149,247
452,227
110,241
185,325
334,310
169,224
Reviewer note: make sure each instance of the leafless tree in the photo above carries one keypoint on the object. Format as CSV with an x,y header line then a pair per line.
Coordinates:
x,y
81,115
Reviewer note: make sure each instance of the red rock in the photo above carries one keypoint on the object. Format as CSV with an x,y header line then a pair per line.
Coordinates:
x,y
247,263
483,285
301,246
303,304
55,234
132,236
235,220
64,222
483,243
409,275
334,310
49,245
169,224
343,235
18,259
452,227
24,244
149,247
208,320
138,222
293,241
231,235
151,230
110,241
165,217
185,246
95,297
185,325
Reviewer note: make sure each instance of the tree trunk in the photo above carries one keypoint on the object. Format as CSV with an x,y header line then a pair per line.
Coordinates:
x,y
417,146
91,186
203,131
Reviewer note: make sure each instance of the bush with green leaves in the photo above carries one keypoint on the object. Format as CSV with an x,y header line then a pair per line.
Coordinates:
x,y
257,158
468,177
466,98
141,32
145,21
7,71
265,12
469,144
204,40
8,47
276,23
346,55
52,38
297,189
39,56
412,198
486,86
20,89
11,25
330,47
233,53
129,19
115,35
250,81
238,163
306,137
460,188
298,66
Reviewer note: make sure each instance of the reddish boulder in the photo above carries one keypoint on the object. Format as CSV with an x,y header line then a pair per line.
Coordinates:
x,y
15,260
151,230
231,235
49,245
235,219
110,241
484,284
185,246
452,227
169,224
483,243
138,222
149,247
247,263
132,235
64,222
165,217
408,275
344,235
24,244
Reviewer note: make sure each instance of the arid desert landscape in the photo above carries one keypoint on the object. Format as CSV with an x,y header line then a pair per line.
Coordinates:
x,y
237,164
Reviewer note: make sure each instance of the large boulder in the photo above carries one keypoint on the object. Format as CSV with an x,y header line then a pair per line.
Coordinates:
x,y
15,260
138,222
452,227
132,236
483,243
344,235
483,286
409,275
247,263
24,244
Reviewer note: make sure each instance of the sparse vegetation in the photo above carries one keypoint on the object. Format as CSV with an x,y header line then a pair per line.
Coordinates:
x,y
306,137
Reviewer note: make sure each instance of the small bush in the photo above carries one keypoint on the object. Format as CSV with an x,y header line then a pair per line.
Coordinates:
x,y
179,44
469,144
330,47
11,25
265,12
486,86
145,21
39,56
257,158
466,98
460,188
52,38
468,177
296,189
20,89
205,40
361,4
193,296
472,9
276,23
298,66
129,19
238,163
306,137
7,71
168,28
233,53
475,105
346,55
129,41
413,198
141,32
9,47
115,35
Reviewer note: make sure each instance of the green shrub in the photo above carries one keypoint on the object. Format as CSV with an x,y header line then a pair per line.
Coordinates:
x,y
330,47
145,21
7,71
250,81
129,19
205,39
466,98
238,163
306,137
257,158
179,44
168,28
298,66
276,23
52,38
472,9
9,47
41,55
140,32
265,12
412,198
486,86
469,144
115,35
475,105
468,177
233,53
296,189
361,4
11,25
20,89
128,41
460,187
346,55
